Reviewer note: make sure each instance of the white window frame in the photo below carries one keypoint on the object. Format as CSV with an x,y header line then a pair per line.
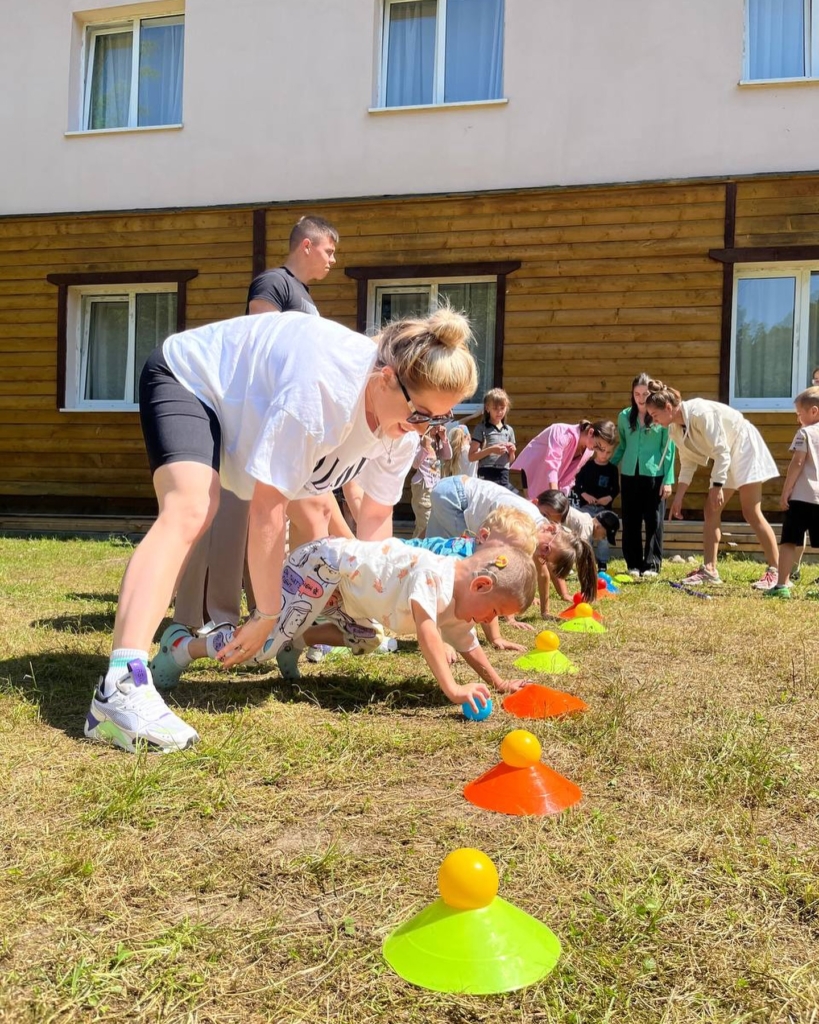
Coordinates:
x,y
78,311
414,284
112,27
810,44
439,64
800,369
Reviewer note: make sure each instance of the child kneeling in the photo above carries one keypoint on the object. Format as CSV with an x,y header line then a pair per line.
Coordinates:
x,y
356,585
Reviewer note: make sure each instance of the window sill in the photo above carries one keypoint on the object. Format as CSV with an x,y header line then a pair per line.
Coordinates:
x,y
120,131
439,106
770,408
762,83
106,407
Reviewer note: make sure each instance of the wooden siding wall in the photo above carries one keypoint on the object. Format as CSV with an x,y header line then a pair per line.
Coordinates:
x,y
94,461
613,281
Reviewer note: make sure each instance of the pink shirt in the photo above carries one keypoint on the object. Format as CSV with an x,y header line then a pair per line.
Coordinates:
x,y
550,455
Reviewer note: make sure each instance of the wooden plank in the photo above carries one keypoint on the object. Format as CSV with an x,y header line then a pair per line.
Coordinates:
x,y
655,333
69,224
183,255
679,315
281,219
75,524
777,188
89,490
533,298
59,245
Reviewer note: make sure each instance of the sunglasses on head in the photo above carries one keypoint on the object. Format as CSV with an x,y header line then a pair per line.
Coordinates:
x,y
422,417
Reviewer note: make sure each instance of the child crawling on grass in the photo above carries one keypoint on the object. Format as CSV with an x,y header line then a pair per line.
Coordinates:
x,y
356,585
503,525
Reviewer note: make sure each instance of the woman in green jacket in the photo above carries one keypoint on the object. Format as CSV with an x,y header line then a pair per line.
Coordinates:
x,y
645,456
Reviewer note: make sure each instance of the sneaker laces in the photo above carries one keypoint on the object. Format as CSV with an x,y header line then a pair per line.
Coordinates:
x,y
144,699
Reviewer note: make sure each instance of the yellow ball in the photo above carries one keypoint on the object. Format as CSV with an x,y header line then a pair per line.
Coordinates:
x,y
583,610
467,879
547,641
520,749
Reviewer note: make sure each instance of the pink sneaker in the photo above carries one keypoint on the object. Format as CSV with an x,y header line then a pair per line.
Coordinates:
x,y
700,576
770,579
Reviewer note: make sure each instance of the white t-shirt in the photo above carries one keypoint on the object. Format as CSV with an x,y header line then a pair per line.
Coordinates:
x,y
288,389
484,497
580,523
806,487
380,579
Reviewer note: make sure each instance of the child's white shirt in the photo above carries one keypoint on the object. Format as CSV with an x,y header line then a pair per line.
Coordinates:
x,y
288,389
381,579
806,487
484,497
580,523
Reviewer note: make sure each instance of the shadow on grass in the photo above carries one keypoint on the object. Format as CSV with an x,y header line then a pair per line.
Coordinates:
x,y
81,622
61,685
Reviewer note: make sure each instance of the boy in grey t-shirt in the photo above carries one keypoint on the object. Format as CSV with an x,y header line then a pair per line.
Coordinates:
x,y
800,492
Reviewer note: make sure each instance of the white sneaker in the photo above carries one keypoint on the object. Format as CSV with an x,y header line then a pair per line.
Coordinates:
x,y
634,573
650,574
769,579
316,653
135,715
389,645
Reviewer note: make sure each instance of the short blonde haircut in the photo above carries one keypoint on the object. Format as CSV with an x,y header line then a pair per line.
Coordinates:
x,y
511,569
512,526
808,397
431,352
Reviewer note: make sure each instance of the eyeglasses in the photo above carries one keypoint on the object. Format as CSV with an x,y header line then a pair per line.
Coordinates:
x,y
422,417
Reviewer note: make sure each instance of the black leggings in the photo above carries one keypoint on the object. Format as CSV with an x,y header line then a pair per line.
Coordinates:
x,y
176,425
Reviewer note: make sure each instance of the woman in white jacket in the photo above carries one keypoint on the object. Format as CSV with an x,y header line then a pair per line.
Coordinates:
x,y
703,430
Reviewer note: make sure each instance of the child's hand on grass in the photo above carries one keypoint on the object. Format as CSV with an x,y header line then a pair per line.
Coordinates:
x,y
451,654
507,645
512,621
510,685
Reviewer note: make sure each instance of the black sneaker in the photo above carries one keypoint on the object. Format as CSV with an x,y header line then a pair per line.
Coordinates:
x,y
796,573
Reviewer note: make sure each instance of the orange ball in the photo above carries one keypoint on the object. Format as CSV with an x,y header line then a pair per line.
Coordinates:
x,y
547,641
520,749
583,610
467,879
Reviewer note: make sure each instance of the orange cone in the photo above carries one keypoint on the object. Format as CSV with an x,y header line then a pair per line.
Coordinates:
x,y
521,784
535,701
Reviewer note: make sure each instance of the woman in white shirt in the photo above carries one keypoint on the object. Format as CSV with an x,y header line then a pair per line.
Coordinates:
x,y
280,406
703,430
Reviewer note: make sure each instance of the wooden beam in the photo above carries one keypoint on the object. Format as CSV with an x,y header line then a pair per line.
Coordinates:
x,y
259,242
766,254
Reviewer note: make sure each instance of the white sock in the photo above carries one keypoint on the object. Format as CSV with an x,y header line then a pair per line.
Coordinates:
x,y
179,651
118,666
219,639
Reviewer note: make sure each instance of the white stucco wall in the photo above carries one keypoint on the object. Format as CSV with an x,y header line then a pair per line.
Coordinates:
x,y
276,98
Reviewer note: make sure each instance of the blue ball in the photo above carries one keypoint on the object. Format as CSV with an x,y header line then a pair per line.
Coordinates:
x,y
480,715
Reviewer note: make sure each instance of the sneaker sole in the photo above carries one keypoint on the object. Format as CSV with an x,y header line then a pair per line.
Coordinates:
x,y
103,730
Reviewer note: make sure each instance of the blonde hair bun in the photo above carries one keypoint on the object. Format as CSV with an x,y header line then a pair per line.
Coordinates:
x,y
449,327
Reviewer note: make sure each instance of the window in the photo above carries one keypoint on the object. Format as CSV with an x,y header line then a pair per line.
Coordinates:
x,y
441,51
133,73
775,342
107,326
479,289
782,39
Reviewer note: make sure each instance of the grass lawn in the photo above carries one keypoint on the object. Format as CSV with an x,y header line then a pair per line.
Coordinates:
x,y
256,877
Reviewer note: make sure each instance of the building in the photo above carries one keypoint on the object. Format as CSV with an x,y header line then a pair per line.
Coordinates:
x,y
608,188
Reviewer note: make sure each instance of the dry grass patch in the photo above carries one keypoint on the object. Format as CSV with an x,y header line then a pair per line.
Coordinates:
x,y
254,878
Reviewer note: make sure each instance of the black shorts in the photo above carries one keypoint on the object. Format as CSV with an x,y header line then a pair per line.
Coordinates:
x,y
802,517
176,425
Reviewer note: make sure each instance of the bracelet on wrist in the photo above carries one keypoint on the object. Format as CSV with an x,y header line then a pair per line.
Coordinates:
x,y
257,616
